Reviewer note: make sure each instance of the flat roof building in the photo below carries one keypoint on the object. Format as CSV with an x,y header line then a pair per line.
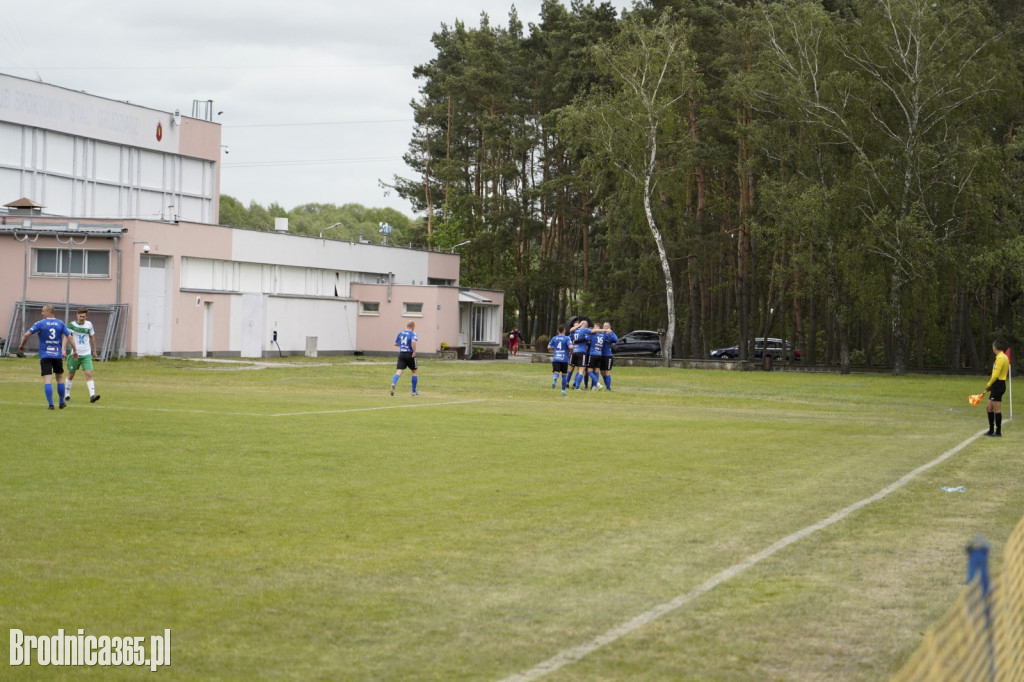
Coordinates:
x,y
115,206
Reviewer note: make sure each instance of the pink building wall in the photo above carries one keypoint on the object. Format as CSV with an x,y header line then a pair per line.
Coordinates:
x,y
439,321
173,242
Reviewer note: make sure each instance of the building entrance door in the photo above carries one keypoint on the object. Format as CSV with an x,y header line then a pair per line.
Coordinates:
x,y
152,305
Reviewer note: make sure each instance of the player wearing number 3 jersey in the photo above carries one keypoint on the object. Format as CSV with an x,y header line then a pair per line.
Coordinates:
x,y
52,335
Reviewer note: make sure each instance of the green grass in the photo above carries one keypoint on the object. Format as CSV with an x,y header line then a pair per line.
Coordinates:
x,y
297,522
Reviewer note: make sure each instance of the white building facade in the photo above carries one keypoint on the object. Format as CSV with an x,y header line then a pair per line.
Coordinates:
x,y
85,156
114,206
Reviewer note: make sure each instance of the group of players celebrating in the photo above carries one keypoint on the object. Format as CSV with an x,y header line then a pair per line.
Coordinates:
x,y
585,353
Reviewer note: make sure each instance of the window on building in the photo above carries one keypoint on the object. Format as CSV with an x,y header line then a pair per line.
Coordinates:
x,y
412,309
73,262
369,308
485,328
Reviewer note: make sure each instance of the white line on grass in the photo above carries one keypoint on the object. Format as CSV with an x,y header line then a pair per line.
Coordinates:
x,y
135,408
261,414
371,409
576,653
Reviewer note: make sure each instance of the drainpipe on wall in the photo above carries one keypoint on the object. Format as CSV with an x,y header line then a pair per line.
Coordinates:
x,y
117,287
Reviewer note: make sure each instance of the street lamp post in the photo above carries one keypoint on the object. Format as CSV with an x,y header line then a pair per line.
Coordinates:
x,y
327,228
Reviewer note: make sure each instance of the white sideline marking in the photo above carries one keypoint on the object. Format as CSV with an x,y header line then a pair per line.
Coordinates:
x,y
576,653
371,409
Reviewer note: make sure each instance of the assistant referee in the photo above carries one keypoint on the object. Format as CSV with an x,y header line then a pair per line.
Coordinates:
x,y
995,387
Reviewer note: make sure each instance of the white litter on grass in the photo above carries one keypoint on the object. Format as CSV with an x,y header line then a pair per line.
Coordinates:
x,y
958,489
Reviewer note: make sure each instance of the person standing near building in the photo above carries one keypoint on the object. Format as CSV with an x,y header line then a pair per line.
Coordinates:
x,y
406,342
53,334
610,337
559,346
514,338
83,333
995,387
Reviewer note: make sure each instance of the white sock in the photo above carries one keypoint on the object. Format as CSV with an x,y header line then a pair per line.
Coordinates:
x,y
92,387
67,387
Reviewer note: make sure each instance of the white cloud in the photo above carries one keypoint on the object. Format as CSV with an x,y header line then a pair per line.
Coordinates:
x,y
320,87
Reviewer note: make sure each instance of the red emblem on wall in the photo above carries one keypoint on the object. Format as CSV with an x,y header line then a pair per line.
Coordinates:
x,y
159,131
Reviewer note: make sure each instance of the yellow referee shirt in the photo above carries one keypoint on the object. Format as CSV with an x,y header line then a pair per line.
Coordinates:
x,y
1000,370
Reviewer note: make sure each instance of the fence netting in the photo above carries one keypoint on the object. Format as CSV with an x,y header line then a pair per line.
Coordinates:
x,y
982,636
109,320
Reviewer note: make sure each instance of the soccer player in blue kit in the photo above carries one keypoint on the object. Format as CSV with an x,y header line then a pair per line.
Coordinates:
x,y
581,344
53,334
610,337
595,354
559,345
406,342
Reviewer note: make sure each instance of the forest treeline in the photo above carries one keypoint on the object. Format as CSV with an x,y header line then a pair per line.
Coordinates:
x,y
846,174
348,222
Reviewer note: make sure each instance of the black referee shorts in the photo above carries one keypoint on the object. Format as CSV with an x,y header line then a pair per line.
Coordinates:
x,y
996,392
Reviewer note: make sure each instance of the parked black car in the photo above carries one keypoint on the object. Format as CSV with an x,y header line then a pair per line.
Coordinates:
x,y
778,349
638,342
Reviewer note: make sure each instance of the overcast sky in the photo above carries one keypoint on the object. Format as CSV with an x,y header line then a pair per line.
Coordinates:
x,y
314,93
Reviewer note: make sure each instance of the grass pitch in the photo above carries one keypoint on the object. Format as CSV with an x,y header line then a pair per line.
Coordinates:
x,y
297,522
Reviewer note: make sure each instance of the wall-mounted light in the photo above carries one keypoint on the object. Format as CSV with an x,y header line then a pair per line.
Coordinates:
x,y
458,245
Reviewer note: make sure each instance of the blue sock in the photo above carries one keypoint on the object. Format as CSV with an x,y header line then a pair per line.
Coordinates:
x,y
608,381
415,380
593,379
60,392
394,379
49,393
576,383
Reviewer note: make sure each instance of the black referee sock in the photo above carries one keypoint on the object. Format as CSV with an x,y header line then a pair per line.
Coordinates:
x,y
991,422
999,422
